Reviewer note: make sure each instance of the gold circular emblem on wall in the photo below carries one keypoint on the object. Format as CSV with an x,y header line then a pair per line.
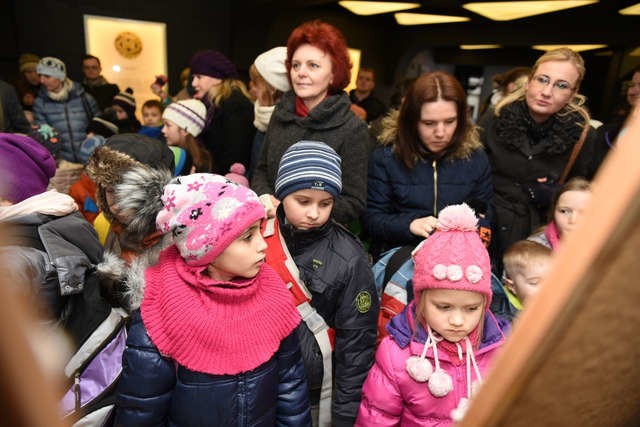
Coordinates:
x,y
128,44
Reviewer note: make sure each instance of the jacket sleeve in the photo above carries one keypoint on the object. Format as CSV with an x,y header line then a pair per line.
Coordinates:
x,y
144,392
382,402
293,397
381,220
93,106
14,115
39,115
355,158
483,186
355,341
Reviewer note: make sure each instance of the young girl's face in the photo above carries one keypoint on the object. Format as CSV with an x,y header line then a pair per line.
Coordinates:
x,y
569,210
151,116
242,258
454,314
307,209
173,134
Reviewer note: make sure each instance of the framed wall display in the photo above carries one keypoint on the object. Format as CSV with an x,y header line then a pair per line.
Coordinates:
x,y
131,52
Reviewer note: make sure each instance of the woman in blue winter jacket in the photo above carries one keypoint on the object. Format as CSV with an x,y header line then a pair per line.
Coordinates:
x,y
431,158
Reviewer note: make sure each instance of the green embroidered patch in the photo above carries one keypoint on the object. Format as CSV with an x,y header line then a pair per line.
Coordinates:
x,y
363,301
316,264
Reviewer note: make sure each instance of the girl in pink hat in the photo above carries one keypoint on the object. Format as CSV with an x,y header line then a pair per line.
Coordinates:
x,y
213,341
441,345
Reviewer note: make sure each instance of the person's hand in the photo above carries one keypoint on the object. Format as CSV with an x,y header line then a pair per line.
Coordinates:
x,y
158,90
270,204
424,226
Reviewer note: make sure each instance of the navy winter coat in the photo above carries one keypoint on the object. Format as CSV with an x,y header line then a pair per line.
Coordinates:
x,y
70,117
398,195
275,393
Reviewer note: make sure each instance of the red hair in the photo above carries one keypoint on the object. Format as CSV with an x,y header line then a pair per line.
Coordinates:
x,y
329,39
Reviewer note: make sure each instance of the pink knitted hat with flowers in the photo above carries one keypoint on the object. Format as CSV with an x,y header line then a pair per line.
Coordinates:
x,y
206,213
453,257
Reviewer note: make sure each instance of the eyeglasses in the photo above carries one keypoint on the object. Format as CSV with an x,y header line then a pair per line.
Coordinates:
x,y
544,81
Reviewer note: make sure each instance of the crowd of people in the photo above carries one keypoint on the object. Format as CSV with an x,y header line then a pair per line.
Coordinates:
x,y
236,226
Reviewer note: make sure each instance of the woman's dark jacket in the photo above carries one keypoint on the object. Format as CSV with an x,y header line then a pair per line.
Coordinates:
x,y
521,151
331,122
334,267
230,133
398,195
274,393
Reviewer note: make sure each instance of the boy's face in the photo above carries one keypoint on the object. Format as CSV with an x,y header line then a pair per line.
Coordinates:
x,y
120,113
242,258
307,209
151,116
525,282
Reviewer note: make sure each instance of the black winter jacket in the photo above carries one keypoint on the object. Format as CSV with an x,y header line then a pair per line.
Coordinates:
x,y
163,393
331,122
335,269
521,151
229,135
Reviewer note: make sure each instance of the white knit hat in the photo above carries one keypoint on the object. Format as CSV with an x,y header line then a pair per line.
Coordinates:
x,y
54,67
189,115
270,65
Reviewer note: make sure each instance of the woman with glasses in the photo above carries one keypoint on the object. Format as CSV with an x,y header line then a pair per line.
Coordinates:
x,y
530,138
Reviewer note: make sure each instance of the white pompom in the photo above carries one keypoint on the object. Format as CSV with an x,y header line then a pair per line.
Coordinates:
x,y
440,383
458,414
419,369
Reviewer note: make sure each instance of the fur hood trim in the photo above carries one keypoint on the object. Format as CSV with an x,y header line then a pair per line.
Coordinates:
x,y
140,193
389,135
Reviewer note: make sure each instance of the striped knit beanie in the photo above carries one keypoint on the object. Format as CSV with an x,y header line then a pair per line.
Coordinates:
x,y
309,165
189,115
126,101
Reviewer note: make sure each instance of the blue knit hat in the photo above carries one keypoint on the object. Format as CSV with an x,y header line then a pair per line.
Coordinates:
x,y
309,165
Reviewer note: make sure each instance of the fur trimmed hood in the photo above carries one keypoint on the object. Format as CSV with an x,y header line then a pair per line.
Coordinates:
x,y
389,134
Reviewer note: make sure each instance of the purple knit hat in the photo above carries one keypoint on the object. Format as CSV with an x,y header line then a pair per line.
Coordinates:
x,y
453,257
25,167
212,63
206,213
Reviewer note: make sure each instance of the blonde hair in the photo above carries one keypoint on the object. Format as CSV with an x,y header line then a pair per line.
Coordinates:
x,y
222,91
576,104
521,254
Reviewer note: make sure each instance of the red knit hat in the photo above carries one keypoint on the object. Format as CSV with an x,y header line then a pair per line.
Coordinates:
x,y
213,327
453,257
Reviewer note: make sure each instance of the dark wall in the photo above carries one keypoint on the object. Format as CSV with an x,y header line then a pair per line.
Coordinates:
x,y
56,28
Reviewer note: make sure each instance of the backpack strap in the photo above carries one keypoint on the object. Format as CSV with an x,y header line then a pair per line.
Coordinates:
x,y
574,153
280,259
397,259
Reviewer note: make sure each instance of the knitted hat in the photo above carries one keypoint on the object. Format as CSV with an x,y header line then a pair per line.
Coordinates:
x,y
27,61
189,115
453,257
270,65
103,124
121,153
214,64
237,174
50,66
126,101
206,213
25,167
309,165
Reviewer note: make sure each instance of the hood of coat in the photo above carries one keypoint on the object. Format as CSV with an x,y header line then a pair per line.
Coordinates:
x,y
332,112
389,134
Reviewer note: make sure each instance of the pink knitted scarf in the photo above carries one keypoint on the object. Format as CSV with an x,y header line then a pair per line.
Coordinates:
x,y
552,235
220,328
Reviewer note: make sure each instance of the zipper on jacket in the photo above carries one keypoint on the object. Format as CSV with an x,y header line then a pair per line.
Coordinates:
x,y
434,165
76,392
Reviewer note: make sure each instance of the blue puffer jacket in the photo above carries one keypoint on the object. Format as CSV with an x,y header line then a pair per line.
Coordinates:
x,y
175,396
70,116
397,195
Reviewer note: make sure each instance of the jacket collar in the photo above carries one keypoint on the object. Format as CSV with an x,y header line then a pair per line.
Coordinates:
x,y
296,239
331,113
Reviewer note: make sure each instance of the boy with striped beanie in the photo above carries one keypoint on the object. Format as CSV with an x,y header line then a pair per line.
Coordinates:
x,y
331,280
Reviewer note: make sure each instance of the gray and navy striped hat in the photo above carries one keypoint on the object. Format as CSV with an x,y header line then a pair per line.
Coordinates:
x,y
309,165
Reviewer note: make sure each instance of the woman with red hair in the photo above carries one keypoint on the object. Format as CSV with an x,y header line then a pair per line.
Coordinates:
x,y
318,109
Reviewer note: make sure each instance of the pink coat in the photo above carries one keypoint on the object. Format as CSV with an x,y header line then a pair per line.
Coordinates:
x,y
390,397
